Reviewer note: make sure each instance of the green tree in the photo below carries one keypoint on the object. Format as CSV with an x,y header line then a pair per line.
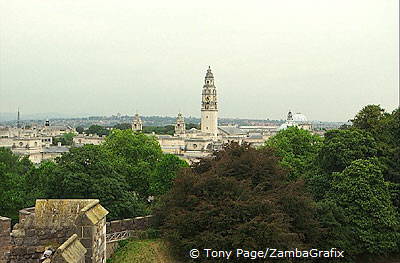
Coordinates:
x,y
298,149
362,217
93,172
80,129
341,147
65,139
240,198
13,195
123,126
150,172
133,147
161,180
97,129
369,118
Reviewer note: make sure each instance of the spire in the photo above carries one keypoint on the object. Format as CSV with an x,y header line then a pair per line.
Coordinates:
x,y
209,74
18,119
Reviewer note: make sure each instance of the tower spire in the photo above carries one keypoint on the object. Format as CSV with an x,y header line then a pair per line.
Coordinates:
x,y
18,119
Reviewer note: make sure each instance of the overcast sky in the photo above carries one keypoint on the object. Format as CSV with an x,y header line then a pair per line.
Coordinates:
x,y
326,59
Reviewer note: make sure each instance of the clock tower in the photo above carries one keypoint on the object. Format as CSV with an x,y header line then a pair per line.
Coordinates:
x,y
209,108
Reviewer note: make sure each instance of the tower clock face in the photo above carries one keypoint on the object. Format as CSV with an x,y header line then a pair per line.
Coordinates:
x,y
207,98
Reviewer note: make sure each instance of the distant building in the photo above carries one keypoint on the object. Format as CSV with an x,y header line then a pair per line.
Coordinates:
x,y
194,144
180,127
82,139
296,120
137,124
34,142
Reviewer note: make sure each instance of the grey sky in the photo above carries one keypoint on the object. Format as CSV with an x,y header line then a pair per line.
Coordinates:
x,y
323,58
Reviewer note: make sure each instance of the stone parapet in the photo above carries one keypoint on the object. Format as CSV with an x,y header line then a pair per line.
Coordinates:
x,y
5,240
59,223
137,223
71,251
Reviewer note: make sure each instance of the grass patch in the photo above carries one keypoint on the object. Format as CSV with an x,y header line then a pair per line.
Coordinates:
x,y
143,251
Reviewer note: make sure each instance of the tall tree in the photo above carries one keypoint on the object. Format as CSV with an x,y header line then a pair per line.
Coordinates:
x,y
93,172
341,147
298,149
13,171
365,216
240,198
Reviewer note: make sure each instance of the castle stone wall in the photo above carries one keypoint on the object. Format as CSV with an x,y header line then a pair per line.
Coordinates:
x,y
71,251
5,240
137,223
52,222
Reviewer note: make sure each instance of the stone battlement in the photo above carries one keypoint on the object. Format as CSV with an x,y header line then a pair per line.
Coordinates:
x,y
75,226
74,229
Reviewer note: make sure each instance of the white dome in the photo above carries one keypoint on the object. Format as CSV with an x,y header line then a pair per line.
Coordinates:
x,y
298,117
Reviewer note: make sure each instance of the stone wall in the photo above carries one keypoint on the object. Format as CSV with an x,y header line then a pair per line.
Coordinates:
x,y
5,240
71,251
137,223
91,226
52,222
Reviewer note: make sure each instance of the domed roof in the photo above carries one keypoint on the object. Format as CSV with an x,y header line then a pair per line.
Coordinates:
x,y
293,120
299,117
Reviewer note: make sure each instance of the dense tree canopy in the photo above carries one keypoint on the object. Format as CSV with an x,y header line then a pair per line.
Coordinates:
x,y
298,149
240,198
364,211
97,129
122,173
13,173
123,126
341,147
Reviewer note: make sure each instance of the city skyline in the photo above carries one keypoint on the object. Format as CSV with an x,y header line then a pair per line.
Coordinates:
x,y
326,60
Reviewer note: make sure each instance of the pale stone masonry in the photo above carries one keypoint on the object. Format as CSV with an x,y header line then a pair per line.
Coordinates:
x,y
5,239
70,251
77,227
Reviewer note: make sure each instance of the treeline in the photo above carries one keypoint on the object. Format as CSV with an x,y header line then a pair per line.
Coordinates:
x,y
123,172
298,191
104,131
